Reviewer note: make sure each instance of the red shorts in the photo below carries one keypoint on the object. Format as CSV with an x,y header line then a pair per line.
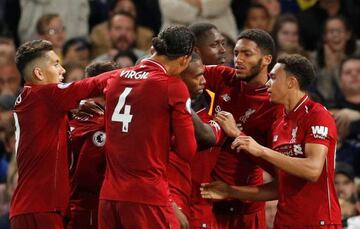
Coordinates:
x,y
237,220
202,216
83,219
120,214
307,227
46,220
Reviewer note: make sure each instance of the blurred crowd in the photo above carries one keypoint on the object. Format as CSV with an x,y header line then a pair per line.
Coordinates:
x,y
87,31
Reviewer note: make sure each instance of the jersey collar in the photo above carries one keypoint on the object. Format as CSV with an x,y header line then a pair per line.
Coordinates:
x,y
154,63
303,101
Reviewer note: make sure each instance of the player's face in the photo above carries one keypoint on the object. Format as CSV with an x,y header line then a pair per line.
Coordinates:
x,y
51,68
278,84
212,49
248,59
122,32
194,78
345,188
350,77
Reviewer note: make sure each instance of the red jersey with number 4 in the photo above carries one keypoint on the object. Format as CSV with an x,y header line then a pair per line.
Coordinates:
x,y
40,114
254,115
302,202
144,107
87,168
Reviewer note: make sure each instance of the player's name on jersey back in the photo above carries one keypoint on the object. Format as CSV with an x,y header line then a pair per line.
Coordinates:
x,y
131,74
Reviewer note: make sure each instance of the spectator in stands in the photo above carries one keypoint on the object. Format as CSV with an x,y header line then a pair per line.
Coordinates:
x,y
346,112
7,50
50,27
125,59
74,72
100,37
312,20
338,43
122,33
274,9
74,14
77,50
185,12
344,181
257,17
286,35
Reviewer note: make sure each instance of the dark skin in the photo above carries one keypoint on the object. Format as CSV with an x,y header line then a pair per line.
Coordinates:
x,y
211,48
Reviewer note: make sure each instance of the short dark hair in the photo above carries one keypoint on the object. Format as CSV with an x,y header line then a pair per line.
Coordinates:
x,y
98,68
346,59
122,13
44,21
300,67
263,40
30,51
126,53
174,42
200,29
81,41
195,57
257,6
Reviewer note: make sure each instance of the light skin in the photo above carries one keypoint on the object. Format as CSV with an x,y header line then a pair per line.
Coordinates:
x,y
288,35
350,85
55,33
45,70
212,48
284,89
122,32
9,80
345,187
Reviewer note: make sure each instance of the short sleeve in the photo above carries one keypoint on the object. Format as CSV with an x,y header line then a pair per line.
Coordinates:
x,y
320,128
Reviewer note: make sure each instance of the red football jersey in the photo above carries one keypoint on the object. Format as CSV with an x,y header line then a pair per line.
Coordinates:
x,y
254,115
303,202
40,114
88,162
181,172
144,107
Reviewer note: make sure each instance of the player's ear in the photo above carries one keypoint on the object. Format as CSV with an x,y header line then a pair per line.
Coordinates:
x,y
196,50
38,74
292,81
185,60
267,59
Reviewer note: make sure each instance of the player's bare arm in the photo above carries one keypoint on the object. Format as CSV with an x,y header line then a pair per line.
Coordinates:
x,y
308,168
204,134
220,190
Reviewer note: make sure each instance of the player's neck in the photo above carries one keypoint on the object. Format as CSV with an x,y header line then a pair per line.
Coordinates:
x,y
165,62
259,80
293,99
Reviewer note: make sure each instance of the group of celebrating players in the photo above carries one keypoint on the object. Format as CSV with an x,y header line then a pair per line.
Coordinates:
x,y
173,133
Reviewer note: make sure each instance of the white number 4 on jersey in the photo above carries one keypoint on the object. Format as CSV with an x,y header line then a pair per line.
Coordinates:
x,y
125,117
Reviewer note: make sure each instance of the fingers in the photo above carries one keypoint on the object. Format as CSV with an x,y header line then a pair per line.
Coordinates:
x,y
240,142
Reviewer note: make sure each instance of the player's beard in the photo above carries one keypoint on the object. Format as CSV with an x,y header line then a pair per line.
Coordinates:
x,y
254,71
